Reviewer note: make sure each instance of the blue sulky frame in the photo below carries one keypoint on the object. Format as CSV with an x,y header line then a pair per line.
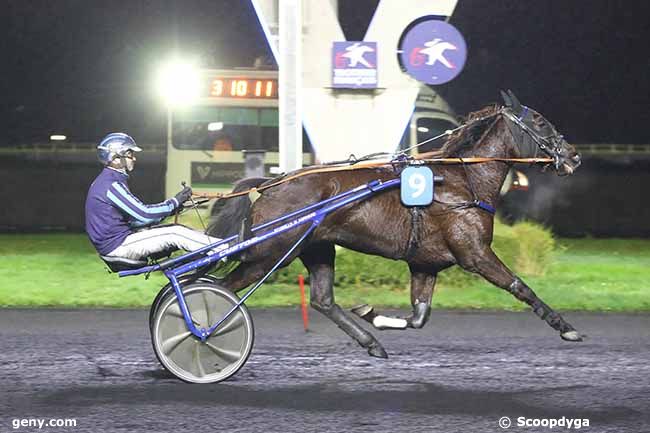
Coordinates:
x,y
314,214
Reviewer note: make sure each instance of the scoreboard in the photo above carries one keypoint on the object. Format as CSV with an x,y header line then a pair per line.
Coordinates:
x,y
242,87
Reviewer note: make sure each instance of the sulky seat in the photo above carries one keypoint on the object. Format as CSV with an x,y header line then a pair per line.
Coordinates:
x,y
117,264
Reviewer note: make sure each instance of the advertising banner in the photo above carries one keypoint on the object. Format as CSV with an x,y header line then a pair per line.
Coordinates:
x,y
354,65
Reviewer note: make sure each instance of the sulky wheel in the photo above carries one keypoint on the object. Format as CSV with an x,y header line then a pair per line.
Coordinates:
x,y
185,355
168,290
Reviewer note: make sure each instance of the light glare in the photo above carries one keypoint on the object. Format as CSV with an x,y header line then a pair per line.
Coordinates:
x,y
178,83
57,137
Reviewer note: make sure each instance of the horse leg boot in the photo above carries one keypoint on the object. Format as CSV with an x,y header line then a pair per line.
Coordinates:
x,y
490,267
524,293
379,321
319,261
422,284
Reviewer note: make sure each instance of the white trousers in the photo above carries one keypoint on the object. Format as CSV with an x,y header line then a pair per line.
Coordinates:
x,y
145,242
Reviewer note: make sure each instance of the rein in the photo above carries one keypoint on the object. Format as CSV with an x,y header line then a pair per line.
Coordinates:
x,y
354,164
360,166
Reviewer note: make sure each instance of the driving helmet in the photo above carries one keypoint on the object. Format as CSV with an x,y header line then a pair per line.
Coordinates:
x,y
115,145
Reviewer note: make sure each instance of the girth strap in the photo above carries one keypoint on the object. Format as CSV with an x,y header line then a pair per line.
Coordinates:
x,y
414,236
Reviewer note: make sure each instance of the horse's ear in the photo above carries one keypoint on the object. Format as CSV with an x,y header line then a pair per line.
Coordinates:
x,y
516,105
506,98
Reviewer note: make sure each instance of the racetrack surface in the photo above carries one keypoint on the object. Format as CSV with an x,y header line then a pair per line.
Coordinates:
x,y
461,373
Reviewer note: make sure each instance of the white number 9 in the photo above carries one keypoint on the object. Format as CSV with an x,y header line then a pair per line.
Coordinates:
x,y
418,183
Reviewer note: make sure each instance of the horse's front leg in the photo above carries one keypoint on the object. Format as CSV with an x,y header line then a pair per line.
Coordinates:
x,y
486,263
422,284
319,261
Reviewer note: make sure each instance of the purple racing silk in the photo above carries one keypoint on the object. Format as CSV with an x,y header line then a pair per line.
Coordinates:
x,y
112,212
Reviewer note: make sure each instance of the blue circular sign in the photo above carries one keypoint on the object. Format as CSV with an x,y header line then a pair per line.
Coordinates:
x,y
433,52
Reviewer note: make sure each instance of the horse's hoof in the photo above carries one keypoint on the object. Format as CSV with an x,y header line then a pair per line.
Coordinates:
x,y
571,336
377,351
365,311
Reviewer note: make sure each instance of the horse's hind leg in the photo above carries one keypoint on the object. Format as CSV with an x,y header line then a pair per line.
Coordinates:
x,y
319,261
490,267
422,283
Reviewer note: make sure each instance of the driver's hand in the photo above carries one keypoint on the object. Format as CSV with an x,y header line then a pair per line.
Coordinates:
x,y
183,195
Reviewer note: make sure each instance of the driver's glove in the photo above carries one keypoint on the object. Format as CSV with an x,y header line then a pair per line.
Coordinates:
x,y
183,195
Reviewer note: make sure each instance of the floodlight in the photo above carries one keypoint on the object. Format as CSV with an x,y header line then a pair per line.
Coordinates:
x,y
58,137
178,83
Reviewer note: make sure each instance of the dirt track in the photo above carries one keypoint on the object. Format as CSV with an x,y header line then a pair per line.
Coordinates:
x,y
462,372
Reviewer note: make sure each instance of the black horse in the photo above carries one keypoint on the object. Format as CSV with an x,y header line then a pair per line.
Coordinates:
x,y
455,229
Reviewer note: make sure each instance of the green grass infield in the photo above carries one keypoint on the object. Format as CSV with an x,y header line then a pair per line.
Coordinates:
x,y
63,270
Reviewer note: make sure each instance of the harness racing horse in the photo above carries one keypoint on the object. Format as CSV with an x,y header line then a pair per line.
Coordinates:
x,y
456,229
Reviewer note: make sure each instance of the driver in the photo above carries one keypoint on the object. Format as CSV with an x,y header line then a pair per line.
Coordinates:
x,y
117,222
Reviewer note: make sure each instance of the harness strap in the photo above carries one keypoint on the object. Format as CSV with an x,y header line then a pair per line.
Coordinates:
x,y
486,207
468,204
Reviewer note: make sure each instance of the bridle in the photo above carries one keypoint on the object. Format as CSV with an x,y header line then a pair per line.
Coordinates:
x,y
551,144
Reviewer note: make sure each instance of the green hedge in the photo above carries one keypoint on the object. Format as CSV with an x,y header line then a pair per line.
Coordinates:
x,y
527,248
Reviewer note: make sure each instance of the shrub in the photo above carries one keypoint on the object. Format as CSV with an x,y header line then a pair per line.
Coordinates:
x,y
528,248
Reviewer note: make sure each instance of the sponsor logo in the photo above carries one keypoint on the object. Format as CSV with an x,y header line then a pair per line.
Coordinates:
x,y
354,65
433,52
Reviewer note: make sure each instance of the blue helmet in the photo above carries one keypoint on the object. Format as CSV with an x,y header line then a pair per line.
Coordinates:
x,y
115,145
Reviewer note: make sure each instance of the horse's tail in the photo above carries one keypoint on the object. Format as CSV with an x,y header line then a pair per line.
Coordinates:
x,y
228,214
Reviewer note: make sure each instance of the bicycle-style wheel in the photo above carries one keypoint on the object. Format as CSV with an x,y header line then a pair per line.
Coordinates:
x,y
185,355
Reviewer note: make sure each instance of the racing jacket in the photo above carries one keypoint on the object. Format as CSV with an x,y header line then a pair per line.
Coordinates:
x,y
112,212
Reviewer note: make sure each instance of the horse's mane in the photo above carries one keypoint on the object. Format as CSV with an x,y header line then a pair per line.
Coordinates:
x,y
467,137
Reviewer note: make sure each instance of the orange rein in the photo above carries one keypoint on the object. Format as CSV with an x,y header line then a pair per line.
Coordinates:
x,y
361,165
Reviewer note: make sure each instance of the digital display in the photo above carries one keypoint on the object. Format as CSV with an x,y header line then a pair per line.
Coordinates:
x,y
253,88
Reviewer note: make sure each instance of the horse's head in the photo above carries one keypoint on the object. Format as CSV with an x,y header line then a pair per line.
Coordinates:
x,y
532,133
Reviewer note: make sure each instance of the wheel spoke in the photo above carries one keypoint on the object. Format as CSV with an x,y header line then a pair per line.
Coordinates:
x,y
225,354
208,316
172,343
175,311
234,322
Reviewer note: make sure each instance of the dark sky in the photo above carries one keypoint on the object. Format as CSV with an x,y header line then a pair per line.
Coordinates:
x,y
84,67
582,63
